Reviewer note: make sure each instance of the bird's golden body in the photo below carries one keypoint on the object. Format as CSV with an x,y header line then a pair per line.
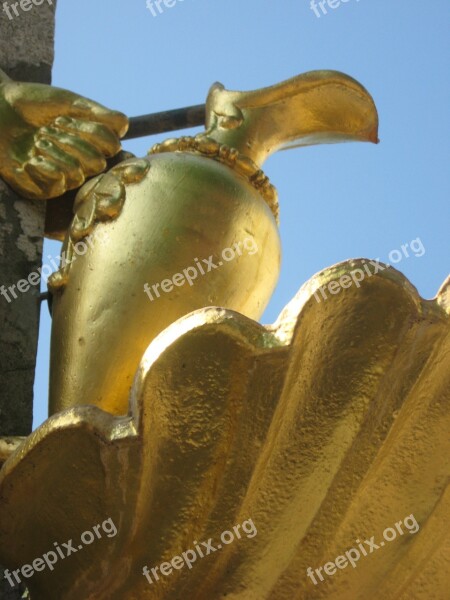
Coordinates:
x,y
185,209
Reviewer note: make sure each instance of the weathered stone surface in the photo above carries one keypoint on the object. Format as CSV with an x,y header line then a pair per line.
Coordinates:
x,y
26,54
27,42
21,231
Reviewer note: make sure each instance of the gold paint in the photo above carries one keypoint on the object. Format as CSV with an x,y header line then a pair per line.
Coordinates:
x,y
98,201
328,426
228,156
199,197
52,139
8,445
187,207
318,107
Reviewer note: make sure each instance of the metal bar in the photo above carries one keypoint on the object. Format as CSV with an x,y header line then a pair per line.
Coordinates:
x,y
168,120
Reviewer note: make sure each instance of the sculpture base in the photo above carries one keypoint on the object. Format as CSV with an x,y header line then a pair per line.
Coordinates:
x,y
325,429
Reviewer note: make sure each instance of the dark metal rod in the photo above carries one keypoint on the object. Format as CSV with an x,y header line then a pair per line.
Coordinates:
x,y
168,120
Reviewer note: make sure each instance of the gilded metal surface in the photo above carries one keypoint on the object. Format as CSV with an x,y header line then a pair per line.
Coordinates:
x,y
8,445
327,427
59,211
318,107
229,156
52,139
186,209
98,201
201,196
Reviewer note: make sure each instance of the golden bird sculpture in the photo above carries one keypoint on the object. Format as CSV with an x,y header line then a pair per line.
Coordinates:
x,y
319,445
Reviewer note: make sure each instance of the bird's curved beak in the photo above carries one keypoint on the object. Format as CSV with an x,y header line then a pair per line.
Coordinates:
x,y
318,107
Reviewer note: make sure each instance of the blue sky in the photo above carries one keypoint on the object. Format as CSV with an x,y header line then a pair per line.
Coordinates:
x,y
337,202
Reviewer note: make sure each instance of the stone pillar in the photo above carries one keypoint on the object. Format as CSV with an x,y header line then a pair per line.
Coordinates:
x,y
26,54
